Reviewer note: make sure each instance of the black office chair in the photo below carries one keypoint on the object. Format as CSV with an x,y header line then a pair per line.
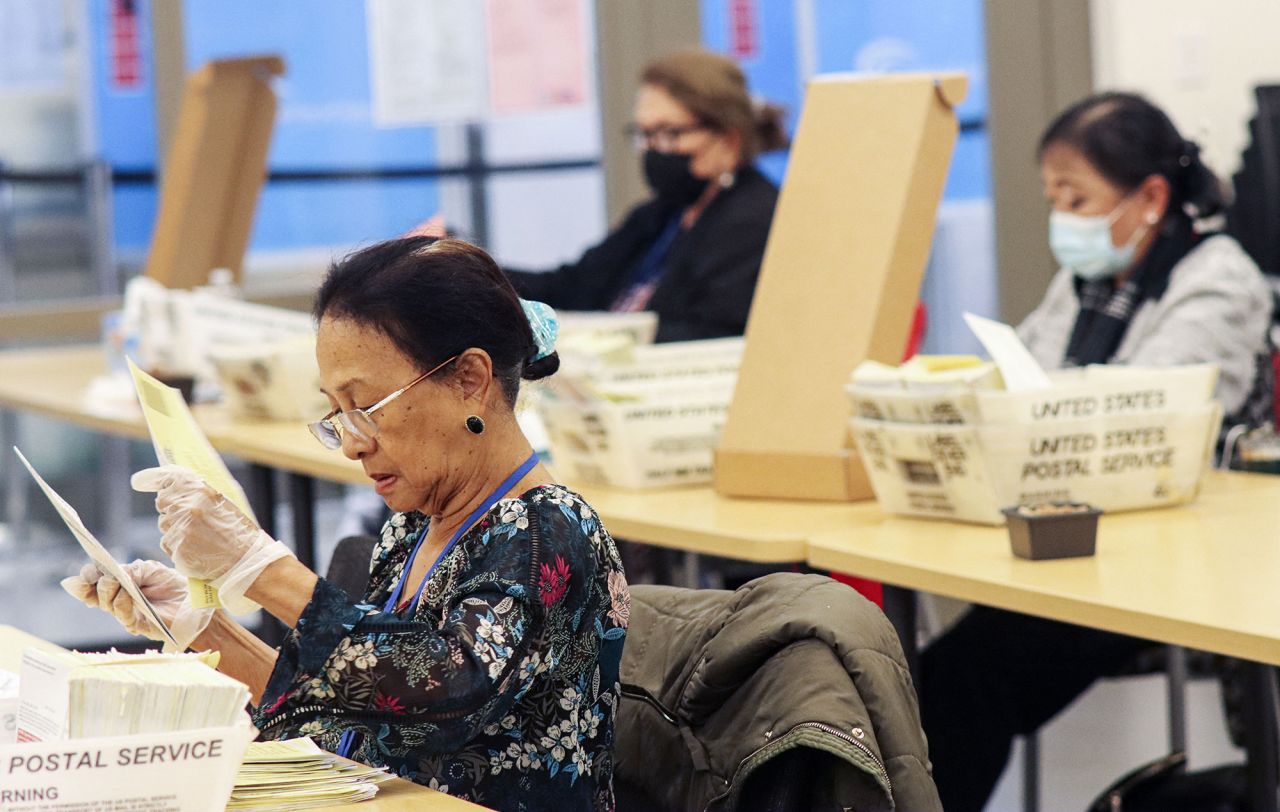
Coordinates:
x,y
349,567
1254,219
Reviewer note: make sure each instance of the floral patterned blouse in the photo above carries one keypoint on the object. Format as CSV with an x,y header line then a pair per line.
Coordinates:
x,y
501,687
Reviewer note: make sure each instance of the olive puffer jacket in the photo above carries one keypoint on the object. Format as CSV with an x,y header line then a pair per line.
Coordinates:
x,y
718,684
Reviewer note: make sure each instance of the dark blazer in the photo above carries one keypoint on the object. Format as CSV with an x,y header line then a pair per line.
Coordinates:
x,y
711,268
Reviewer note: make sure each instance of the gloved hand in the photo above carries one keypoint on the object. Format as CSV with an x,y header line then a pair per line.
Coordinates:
x,y
165,588
207,536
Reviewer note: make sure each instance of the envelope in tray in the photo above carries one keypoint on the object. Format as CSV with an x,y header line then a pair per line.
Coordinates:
x,y
664,437
969,472
1103,391
939,389
279,381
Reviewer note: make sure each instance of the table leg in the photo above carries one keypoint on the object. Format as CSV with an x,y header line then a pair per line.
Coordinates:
x,y
692,575
262,497
302,500
1176,673
1260,720
15,481
1031,773
900,608
116,495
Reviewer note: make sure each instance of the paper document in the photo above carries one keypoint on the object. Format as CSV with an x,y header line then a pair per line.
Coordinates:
x,y
426,61
95,550
297,774
1021,371
179,441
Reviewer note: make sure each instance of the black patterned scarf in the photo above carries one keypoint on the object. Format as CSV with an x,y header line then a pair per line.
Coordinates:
x,y
1106,309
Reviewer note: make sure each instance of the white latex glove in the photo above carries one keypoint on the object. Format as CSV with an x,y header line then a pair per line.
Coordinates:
x,y
165,588
207,536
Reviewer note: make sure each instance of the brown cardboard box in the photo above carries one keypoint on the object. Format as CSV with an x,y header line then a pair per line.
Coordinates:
x,y
214,171
840,278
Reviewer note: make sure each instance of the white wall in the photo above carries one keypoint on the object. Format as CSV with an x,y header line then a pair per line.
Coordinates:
x,y
1198,59
38,83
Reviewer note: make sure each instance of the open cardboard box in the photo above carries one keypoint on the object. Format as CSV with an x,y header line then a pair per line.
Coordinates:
x,y
209,190
840,278
214,171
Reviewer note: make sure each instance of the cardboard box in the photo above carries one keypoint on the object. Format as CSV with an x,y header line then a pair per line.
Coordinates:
x,y
840,278
1096,390
214,171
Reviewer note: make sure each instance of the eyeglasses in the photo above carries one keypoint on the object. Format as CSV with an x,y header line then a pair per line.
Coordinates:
x,y
330,428
661,138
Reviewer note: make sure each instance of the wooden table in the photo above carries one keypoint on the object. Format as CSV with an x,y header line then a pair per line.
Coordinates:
x,y
1201,575
52,382
396,795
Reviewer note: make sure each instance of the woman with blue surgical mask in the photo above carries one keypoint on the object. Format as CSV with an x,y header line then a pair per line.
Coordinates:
x,y
1145,279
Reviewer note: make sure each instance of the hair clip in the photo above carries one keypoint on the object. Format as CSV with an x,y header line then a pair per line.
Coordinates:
x,y
545,327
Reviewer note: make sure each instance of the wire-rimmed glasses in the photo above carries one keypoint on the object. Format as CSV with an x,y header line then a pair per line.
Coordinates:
x,y
330,428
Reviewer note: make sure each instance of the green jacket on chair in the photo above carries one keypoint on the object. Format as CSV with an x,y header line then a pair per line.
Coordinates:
x,y
718,685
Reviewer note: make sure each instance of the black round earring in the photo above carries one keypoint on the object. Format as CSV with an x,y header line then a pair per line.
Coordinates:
x,y
475,424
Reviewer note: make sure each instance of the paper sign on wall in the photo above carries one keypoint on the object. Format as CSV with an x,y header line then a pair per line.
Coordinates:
x,y
425,61
537,54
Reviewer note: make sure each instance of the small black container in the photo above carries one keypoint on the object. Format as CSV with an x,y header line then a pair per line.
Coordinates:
x,y
1063,530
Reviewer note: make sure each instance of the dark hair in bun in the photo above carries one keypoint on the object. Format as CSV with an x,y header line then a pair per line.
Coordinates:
x,y
541,368
1128,139
435,298
714,89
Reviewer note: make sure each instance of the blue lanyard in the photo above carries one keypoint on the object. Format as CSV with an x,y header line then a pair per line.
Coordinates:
x,y
650,266
489,502
348,740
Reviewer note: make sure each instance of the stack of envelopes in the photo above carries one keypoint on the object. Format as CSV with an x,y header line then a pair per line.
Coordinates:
x,y
297,774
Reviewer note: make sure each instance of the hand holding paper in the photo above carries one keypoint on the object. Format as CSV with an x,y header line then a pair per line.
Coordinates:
x,y
178,440
97,552
207,536
165,589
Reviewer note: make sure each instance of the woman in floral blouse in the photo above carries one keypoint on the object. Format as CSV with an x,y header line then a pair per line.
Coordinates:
x,y
483,659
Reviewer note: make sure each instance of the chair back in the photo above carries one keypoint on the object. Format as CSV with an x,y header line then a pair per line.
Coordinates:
x,y
349,567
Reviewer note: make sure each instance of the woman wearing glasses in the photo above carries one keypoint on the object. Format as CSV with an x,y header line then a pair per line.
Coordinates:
x,y
692,253
483,659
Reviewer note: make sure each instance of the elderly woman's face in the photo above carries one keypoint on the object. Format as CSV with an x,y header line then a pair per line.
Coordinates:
x,y
420,434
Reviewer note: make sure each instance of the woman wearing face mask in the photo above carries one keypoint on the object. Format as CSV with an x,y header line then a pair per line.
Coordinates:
x,y
1143,282
692,253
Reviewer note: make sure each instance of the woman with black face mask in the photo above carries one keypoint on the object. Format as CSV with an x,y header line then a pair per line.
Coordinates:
x,y
692,253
